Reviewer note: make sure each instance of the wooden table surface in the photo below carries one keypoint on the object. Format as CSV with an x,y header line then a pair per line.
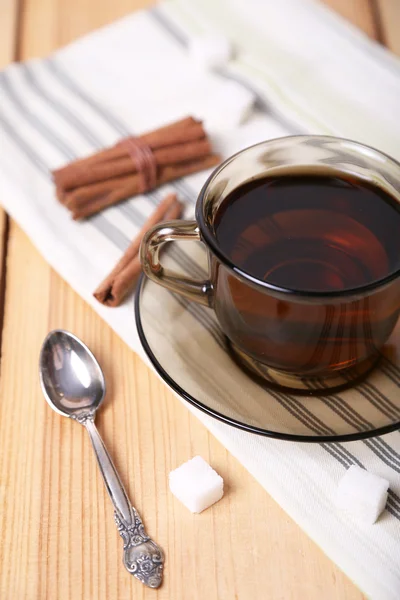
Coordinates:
x,y
58,540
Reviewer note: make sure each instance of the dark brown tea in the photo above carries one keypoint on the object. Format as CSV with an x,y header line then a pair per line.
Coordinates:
x,y
309,233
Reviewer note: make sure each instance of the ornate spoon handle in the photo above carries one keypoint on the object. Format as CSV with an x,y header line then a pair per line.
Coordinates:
x,y
142,557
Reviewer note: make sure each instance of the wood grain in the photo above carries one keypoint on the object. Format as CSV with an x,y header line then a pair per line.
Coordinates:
x,y
9,31
47,25
358,12
59,541
389,16
8,53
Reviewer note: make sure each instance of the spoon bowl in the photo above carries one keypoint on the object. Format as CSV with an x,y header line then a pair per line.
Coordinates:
x,y
71,378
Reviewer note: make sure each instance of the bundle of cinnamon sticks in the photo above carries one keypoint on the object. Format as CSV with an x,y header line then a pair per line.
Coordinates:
x,y
133,166
123,277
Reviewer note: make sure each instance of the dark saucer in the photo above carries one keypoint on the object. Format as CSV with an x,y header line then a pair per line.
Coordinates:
x,y
188,350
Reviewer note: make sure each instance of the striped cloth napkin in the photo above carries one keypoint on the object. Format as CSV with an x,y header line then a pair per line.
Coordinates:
x,y
310,72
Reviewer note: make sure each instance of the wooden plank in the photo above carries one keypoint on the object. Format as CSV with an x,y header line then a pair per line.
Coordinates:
x,y
9,26
8,51
58,536
358,12
67,21
389,17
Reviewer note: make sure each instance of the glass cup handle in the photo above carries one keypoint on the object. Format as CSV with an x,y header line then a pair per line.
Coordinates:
x,y
153,240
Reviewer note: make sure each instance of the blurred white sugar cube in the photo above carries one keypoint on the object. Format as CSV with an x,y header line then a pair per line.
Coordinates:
x,y
362,494
210,51
227,106
196,484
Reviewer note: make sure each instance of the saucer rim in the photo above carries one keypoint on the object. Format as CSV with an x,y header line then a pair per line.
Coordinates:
x,y
175,387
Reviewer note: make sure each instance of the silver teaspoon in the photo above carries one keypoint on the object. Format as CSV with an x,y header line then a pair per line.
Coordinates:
x,y
73,384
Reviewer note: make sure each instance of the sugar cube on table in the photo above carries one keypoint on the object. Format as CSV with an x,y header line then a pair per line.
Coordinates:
x,y
196,484
362,493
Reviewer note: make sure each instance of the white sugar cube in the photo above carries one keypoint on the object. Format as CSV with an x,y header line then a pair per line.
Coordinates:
x,y
210,51
362,494
228,104
232,105
196,484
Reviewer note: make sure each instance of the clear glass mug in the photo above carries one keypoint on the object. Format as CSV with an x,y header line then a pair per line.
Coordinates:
x,y
296,339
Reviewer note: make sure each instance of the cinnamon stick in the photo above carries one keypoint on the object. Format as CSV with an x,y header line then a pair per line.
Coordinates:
x,y
88,200
181,132
71,177
123,277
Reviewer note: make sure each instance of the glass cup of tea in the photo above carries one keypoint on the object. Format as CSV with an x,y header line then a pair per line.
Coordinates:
x,y
303,241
